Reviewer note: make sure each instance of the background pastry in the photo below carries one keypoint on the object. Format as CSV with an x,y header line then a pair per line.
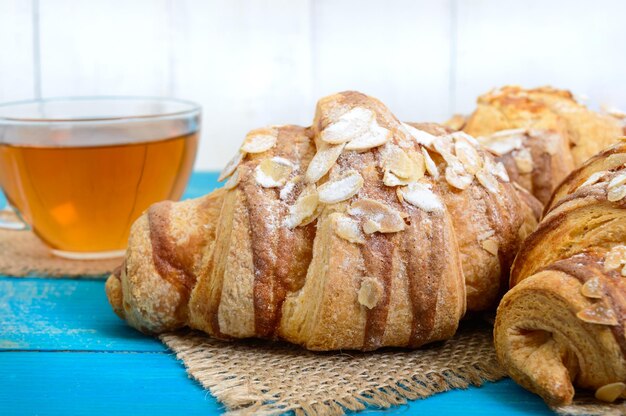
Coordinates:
x,y
563,322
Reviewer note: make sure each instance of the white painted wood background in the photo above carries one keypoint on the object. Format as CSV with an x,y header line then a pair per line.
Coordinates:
x,y
251,63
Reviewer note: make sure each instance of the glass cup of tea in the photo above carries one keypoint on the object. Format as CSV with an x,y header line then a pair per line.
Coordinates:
x,y
80,171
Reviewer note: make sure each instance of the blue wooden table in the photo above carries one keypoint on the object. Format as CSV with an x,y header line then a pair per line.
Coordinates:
x,y
63,351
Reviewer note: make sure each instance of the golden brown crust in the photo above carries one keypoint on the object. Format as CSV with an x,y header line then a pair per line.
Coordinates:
x,y
357,233
563,322
554,134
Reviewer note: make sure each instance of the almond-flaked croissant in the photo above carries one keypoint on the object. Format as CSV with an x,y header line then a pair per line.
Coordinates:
x,y
563,323
540,134
356,233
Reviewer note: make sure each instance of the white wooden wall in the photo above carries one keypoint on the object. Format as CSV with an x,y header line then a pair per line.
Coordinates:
x,y
251,63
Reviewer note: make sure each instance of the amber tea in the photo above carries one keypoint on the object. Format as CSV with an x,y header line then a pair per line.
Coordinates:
x,y
82,194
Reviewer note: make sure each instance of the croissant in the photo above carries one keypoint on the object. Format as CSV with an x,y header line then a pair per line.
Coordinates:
x,y
356,233
563,322
540,134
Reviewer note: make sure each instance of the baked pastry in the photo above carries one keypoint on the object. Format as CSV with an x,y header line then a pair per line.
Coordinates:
x,y
356,233
540,134
563,322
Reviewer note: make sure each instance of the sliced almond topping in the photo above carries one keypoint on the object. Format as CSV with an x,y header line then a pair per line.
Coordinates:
x,y
491,246
443,145
420,136
593,178
468,156
461,135
610,392
304,207
419,194
349,126
377,217
429,163
370,292
457,177
503,142
374,136
323,160
615,258
618,180
273,173
496,169
592,288
485,235
487,180
400,164
347,228
231,166
344,187
289,187
259,141
616,194
389,179
598,313
624,271
523,160
233,181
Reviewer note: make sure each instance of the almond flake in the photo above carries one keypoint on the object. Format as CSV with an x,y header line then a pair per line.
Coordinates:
x,y
487,180
374,136
461,135
257,142
370,292
592,288
618,180
430,165
389,179
496,169
420,136
323,161
419,194
233,181
457,177
400,164
468,156
523,160
377,217
611,392
304,207
615,258
616,194
347,228
501,143
340,189
593,178
598,314
231,166
444,146
491,246
347,127
273,173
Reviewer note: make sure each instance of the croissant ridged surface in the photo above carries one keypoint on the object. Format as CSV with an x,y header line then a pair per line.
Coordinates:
x,y
356,233
563,322
540,134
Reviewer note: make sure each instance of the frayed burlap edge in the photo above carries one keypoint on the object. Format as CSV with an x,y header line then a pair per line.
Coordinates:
x,y
24,255
265,378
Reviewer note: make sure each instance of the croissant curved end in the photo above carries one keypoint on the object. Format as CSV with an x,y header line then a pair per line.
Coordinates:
x,y
113,288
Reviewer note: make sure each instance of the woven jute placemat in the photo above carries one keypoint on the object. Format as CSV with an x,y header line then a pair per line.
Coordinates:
x,y
255,377
22,254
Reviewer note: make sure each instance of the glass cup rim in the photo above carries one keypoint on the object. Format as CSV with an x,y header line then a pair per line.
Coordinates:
x,y
193,109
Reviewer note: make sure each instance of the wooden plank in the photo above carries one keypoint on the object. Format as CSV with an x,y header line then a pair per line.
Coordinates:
x,y
16,50
398,52
112,47
246,63
156,384
539,42
99,384
42,314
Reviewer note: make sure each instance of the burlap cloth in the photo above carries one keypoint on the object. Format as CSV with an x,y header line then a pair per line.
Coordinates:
x,y
23,254
266,378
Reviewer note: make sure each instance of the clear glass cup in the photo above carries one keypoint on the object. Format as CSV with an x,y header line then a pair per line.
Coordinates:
x,y
80,171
